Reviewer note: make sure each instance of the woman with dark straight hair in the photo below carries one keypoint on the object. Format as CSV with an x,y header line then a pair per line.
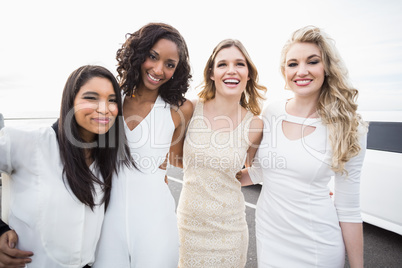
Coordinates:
x,y
61,176
109,148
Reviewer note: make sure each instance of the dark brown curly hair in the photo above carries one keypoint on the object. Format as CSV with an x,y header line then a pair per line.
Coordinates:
x,y
134,52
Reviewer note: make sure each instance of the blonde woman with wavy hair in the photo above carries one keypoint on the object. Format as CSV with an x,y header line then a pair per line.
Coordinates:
x,y
337,101
313,136
222,136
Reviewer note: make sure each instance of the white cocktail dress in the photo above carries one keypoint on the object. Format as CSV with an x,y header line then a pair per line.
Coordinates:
x,y
140,226
297,222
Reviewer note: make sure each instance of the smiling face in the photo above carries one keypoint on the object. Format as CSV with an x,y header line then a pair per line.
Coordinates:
x,y
160,64
95,108
304,70
230,72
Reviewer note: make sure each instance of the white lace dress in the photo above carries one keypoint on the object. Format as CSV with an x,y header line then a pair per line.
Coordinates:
x,y
211,212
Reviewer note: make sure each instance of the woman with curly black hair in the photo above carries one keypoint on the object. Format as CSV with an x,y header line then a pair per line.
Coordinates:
x,y
140,227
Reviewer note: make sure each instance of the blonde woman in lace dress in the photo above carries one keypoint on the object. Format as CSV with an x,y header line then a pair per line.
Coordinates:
x,y
222,136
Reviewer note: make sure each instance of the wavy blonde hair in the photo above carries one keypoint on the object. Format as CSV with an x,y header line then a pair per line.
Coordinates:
x,y
337,101
251,99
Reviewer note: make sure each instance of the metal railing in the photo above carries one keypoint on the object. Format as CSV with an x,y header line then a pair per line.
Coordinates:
x,y
1,126
34,121
1,121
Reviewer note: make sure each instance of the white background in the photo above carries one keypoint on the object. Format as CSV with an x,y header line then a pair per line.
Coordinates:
x,y
42,42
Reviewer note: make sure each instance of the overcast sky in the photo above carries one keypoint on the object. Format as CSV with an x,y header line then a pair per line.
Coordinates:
x,y
42,42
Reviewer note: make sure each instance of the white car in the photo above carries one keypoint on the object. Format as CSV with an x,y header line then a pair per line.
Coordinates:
x,y
381,178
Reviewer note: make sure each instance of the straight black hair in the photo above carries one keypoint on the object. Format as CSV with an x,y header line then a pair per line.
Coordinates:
x,y
108,151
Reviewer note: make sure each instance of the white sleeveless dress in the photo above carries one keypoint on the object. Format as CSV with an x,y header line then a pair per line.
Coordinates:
x,y
211,211
140,226
297,223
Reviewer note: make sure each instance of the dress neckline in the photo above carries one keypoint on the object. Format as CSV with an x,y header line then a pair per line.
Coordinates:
x,y
201,108
298,119
145,118
303,121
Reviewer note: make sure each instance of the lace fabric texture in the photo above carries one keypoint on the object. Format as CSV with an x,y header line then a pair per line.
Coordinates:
x,y
211,212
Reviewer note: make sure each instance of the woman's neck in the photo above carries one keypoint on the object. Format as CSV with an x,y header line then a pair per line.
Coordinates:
x,y
88,157
222,106
142,94
223,114
302,107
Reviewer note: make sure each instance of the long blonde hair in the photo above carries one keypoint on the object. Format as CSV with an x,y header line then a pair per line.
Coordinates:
x,y
251,98
337,101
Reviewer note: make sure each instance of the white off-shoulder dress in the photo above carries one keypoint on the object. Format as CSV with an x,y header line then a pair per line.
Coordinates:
x,y
140,226
297,222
